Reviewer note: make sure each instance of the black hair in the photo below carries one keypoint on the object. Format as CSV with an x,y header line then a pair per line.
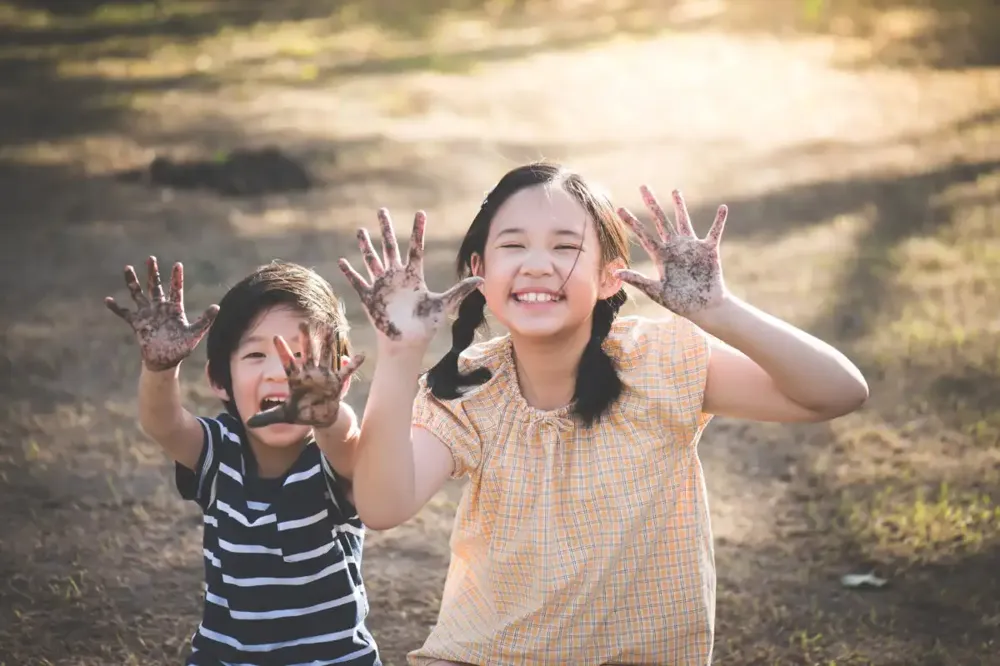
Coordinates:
x,y
274,284
598,385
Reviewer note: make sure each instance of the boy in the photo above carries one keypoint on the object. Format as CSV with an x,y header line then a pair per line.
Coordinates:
x,y
282,539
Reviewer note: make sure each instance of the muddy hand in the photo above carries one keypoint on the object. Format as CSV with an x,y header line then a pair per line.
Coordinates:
x,y
397,300
690,274
314,388
160,324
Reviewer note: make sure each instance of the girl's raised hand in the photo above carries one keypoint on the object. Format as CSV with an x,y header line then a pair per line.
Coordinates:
x,y
690,273
397,301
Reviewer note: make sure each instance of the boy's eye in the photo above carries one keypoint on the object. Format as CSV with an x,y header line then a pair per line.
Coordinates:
x,y
254,355
512,245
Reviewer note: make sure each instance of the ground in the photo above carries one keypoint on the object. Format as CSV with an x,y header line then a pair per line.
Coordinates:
x,y
857,145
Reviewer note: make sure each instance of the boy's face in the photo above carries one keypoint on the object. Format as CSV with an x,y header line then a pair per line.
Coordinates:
x,y
257,374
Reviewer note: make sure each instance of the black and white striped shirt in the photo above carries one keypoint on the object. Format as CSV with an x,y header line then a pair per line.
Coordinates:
x,y
283,580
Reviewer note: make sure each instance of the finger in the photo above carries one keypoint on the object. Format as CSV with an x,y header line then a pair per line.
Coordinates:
x,y
375,267
663,226
118,310
352,365
286,355
307,343
644,284
646,239
718,225
277,414
390,249
200,326
684,226
359,283
416,255
327,354
454,296
153,283
132,282
177,285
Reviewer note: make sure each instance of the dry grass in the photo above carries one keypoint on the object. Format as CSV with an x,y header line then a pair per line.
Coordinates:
x,y
865,207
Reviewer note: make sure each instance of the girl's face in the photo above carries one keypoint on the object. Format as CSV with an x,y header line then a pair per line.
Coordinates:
x,y
542,264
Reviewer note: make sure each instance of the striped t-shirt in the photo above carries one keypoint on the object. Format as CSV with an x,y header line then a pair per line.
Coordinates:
x,y
282,556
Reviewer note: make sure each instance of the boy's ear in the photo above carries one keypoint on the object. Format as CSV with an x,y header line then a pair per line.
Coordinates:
x,y
220,393
610,283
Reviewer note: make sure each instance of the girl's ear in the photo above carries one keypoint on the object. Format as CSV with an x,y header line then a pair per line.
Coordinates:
x,y
478,269
220,393
610,282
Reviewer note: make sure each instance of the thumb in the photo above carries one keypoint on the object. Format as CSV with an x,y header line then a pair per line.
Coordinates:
x,y
201,325
639,281
454,296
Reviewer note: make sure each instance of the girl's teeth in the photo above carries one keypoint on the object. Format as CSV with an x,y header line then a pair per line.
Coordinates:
x,y
536,298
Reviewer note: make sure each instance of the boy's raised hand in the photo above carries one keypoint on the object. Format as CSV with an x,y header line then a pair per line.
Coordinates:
x,y
315,387
397,301
690,273
160,324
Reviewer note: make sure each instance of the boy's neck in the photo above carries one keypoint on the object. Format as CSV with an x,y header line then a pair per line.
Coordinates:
x,y
273,462
547,367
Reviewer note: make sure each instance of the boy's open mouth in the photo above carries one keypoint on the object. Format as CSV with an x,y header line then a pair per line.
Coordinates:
x,y
271,401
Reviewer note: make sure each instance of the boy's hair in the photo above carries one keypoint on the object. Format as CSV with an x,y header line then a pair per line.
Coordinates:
x,y
598,385
281,284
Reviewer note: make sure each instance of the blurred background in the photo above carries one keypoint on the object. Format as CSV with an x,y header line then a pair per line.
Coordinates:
x,y
857,144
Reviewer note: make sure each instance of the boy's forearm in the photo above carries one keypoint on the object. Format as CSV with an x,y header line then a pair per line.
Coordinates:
x,y
160,410
339,442
384,487
805,369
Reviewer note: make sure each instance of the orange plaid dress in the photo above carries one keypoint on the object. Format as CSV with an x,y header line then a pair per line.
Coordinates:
x,y
574,545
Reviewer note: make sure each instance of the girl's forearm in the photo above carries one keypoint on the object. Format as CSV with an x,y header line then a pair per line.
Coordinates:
x,y
805,369
384,472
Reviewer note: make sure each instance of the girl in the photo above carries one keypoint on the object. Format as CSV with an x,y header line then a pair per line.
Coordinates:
x,y
583,535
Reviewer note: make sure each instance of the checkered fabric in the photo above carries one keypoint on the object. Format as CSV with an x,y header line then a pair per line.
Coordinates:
x,y
576,545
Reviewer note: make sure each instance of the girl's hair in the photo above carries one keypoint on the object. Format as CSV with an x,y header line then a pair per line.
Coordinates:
x,y
598,385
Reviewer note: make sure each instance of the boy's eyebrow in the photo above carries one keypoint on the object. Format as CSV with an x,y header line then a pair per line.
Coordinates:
x,y
559,232
252,339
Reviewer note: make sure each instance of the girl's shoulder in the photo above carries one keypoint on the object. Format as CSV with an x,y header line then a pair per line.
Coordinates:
x,y
492,354
636,340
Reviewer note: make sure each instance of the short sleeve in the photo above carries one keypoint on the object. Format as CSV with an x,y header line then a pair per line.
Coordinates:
x,y
666,363
684,351
339,488
450,422
196,485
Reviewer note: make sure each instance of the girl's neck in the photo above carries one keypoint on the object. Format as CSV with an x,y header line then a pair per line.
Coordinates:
x,y
547,367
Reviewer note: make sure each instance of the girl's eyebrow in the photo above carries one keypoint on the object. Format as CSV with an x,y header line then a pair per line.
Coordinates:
x,y
558,232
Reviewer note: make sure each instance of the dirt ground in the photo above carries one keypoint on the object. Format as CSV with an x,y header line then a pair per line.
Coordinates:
x,y
856,143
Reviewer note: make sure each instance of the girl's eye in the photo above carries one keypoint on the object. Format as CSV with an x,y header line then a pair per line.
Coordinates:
x,y
575,248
